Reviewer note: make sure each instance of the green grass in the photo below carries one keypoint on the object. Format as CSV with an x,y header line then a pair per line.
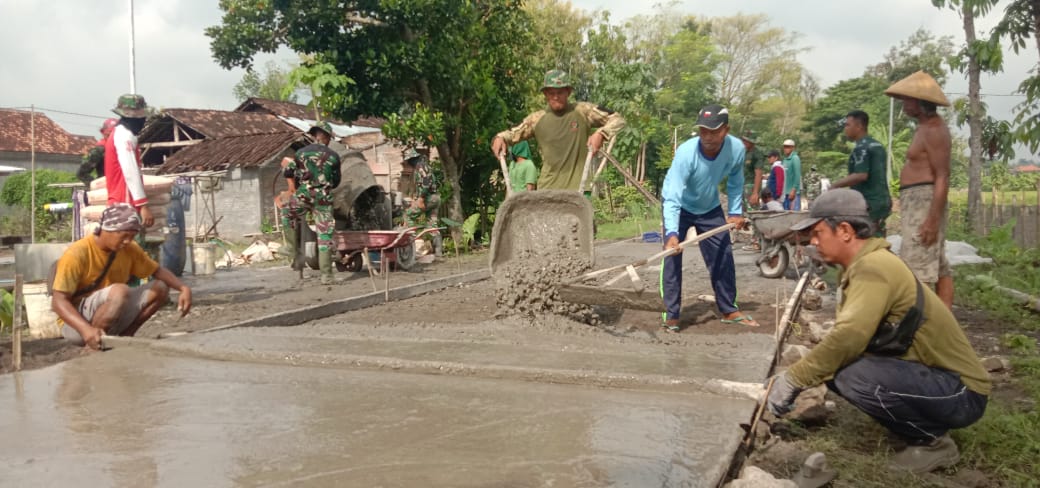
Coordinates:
x,y
960,197
626,228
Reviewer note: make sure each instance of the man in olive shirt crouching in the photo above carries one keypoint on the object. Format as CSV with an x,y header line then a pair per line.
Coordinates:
x,y
918,388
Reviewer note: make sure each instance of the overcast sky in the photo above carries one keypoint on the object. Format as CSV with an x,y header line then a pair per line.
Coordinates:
x,y
72,55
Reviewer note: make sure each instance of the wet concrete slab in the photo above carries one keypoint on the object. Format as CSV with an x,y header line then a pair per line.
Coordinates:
x,y
493,348
131,417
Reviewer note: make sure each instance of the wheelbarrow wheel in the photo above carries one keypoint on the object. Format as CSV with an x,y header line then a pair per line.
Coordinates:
x,y
775,266
404,256
353,263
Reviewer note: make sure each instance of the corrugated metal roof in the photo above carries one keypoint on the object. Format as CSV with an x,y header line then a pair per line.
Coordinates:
x,y
245,151
16,134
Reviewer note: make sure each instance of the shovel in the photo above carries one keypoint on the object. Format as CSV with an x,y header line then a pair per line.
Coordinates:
x,y
636,298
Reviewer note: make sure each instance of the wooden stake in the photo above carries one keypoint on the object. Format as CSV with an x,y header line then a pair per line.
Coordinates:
x,y
16,325
384,264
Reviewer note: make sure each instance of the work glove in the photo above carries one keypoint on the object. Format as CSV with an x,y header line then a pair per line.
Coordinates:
x,y
781,397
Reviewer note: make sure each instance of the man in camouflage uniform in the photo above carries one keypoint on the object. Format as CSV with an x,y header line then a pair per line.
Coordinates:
x,y
94,160
312,175
813,186
423,211
754,168
565,133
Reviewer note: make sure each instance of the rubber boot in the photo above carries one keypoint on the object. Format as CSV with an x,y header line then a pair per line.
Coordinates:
x,y
325,266
438,244
289,250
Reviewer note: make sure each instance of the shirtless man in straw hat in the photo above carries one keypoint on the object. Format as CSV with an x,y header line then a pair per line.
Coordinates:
x,y
924,183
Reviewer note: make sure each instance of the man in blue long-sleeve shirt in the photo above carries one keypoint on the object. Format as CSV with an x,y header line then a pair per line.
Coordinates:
x,y
691,199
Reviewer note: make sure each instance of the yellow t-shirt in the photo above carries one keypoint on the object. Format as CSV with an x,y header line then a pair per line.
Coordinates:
x,y
84,260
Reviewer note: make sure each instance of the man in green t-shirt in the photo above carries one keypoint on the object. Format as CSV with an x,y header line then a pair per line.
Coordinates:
x,y
867,170
754,168
565,132
523,174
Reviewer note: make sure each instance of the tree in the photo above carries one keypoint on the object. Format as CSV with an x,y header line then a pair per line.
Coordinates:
x,y
976,56
1022,20
17,192
921,51
462,61
755,59
270,84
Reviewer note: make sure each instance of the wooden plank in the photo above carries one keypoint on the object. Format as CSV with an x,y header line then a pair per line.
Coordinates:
x,y
631,179
149,145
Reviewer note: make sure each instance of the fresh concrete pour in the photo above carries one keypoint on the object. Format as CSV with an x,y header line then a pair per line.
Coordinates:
x,y
429,391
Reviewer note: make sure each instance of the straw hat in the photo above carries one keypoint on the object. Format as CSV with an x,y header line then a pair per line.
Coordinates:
x,y
921,86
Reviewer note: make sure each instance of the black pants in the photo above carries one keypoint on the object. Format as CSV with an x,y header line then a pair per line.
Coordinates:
x,y
917,402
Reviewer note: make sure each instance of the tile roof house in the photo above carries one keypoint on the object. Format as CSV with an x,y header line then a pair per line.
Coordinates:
x,y
248,145
55,148
383,156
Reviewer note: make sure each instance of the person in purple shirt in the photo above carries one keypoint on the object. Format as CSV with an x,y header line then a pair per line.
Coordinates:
x,y
691,199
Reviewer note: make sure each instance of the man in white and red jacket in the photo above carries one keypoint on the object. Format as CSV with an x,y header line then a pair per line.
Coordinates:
x,y
123,159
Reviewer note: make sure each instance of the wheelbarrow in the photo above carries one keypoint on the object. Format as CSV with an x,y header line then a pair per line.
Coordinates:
x,y
395,247
780,246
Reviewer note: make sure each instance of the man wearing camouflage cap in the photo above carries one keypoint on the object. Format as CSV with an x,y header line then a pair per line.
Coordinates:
x,y
89,291
123,178
427,201
565,133
311,175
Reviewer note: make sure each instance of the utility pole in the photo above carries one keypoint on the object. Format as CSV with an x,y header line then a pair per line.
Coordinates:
x,y
133,75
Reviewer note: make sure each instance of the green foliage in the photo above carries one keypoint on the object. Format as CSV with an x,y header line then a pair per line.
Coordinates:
x,y
1021,344
421,127
17,192
468,61
1012,267
6,309
272,84
824,122
329,89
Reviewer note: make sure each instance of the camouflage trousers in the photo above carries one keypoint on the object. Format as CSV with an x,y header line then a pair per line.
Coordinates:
x,y
418,217
296,208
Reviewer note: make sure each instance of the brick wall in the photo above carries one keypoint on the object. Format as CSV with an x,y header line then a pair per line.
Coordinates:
x,y
237,200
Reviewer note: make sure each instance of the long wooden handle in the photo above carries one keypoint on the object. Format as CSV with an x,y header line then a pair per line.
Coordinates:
x,y
585,170
667,252
505,174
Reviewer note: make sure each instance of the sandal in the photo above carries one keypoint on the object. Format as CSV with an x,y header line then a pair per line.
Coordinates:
x,y
742,320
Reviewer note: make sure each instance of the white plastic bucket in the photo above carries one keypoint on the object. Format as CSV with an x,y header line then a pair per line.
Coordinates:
x,y
43,322
204,258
